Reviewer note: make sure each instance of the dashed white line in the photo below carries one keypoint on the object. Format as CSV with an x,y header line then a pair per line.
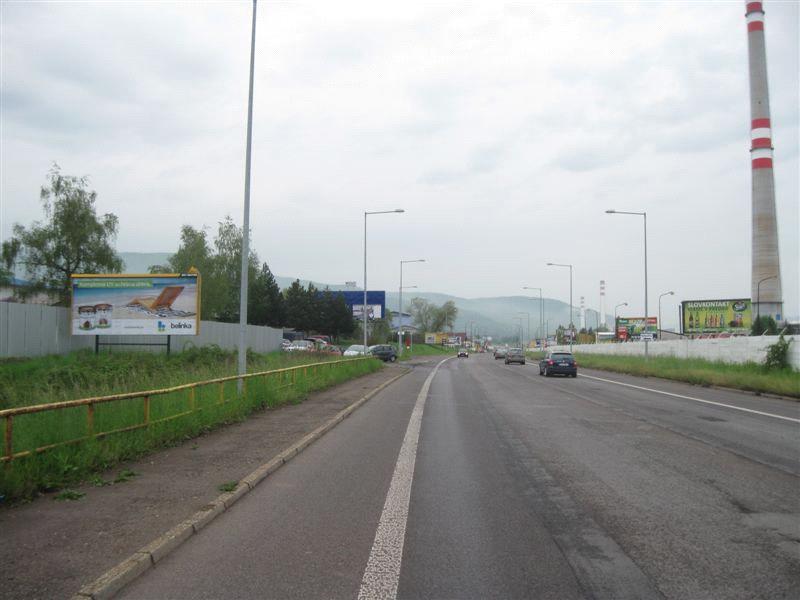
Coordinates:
x,y
382,573
731,406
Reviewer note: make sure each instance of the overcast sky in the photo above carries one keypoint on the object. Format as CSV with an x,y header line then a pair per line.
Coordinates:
x,y
504,131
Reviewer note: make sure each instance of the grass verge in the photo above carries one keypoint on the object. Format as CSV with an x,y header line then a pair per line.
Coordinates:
x,y
83,374
426,350
214,405
748,376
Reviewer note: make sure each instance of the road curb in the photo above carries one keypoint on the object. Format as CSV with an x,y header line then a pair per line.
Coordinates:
x,y
113,580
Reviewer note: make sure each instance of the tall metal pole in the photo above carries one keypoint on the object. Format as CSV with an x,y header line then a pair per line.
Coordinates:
x,y
646,310
571,326
541,309
246,221
659,325
364,315
400,308
400,315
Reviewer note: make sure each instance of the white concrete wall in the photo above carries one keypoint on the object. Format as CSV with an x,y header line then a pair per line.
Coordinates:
x,y
36,330
731,350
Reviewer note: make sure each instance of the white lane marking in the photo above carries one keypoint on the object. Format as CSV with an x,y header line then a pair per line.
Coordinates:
x,y
382,574
638,387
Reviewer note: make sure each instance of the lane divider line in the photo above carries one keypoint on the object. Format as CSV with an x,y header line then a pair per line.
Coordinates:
x,y
382,573
113,580
731,406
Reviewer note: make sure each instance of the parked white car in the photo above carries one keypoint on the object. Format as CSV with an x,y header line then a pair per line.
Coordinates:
x,y
301,346
354,350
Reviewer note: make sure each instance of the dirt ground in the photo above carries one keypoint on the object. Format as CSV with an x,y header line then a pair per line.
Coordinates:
x,y
49,549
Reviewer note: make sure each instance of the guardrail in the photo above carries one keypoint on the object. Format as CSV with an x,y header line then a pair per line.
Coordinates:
x,y
285,377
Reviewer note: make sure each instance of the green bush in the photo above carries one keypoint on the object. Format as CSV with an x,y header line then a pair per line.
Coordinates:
x,y
762,325
778,355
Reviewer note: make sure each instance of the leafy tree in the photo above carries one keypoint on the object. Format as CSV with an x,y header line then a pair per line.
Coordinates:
x,y
264,300
219,266
74,239
448,313
341,316
298,314
423,314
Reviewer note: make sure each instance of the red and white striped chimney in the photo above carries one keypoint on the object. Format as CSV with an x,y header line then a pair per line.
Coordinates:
x,y
602,302
766,289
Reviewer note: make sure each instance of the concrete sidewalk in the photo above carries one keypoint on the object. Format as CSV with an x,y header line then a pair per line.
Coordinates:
x,y
49,548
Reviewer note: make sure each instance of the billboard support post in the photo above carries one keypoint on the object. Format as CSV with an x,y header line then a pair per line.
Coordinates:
x,y
98,343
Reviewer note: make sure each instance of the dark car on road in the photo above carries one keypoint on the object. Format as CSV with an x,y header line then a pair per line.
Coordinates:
x,y
500,353
385,352
515,355
558,363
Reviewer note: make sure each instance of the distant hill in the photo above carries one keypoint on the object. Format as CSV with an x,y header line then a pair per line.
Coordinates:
x,y
492,316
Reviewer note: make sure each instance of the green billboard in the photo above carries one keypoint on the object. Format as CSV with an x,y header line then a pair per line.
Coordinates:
x,y
716,316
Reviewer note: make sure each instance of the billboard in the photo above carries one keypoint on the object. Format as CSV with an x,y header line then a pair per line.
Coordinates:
x,y
376,303
632,328
135,304
716,316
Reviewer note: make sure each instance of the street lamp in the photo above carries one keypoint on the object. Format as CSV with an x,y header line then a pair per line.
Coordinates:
x,y
366,214
659,311
522,312
615,317
758,298
541,308
246,220
400,305
646,315
519,331
571,326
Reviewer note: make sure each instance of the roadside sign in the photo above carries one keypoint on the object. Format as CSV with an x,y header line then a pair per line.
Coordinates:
x,y
113,304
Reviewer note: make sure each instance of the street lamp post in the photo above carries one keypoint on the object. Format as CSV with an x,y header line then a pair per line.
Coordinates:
x,y
522,312
541,308
615,317
660,325
571,326
758,298
519,330
246,220
400,305
364,316
646,311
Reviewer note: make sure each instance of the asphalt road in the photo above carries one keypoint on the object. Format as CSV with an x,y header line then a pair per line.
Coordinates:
x,y
498,483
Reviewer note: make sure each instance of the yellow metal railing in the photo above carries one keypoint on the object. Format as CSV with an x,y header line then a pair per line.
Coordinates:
x,y
286,376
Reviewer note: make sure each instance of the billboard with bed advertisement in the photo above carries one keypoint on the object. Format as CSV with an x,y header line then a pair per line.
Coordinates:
x,y
167,304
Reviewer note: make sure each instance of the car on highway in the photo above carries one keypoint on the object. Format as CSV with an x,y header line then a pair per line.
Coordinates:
x,y
515,355
463,353
385,352
558,363
500,353
354,350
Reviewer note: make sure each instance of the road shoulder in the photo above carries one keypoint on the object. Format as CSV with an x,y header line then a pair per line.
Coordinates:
x,y
52,548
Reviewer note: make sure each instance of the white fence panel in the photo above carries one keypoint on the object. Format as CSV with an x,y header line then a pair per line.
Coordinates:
x,y
36,330
730,350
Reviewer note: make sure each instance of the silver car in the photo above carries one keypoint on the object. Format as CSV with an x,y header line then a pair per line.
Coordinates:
x,y
515,355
